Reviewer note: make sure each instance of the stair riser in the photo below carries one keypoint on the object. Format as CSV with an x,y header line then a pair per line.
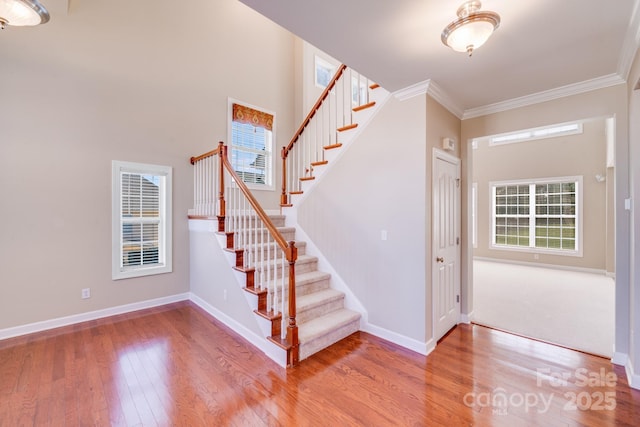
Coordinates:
x,y
304,266
304,315
262,253
324,341
251,221
263,236
303,288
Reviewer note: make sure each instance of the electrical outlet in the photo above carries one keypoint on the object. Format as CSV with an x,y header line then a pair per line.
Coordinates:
x,y
86,293
225,294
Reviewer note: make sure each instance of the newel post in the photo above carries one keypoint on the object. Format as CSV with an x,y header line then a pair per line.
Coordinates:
x,y
222,154
292,327
283,197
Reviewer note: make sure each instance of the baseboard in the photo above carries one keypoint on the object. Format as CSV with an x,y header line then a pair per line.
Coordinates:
x,y
620,359
632,377
412,344
276,354
466,318
91,315
541,265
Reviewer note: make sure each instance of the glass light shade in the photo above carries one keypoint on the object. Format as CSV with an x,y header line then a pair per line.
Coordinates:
x,y
22,12
470,35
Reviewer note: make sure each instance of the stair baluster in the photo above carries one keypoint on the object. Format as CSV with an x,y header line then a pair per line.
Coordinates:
x,y
347,92
249,232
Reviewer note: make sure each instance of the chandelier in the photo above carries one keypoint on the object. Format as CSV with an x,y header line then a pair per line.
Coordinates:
x,y
472,28
22,12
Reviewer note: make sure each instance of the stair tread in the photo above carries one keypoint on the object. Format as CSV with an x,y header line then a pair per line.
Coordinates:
x,y
311,276
320,326
317,298
302,259
299,244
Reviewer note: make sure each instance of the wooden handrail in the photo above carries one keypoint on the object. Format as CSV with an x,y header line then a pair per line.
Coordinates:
x,y
289,248
282,242
314,110
285,150
205,155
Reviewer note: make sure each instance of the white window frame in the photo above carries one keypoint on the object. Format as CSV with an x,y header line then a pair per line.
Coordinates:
x,y
270,145
327,67
532,216
165,265
533,134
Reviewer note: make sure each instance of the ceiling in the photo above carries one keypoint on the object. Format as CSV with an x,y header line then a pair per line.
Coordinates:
x,y
542,47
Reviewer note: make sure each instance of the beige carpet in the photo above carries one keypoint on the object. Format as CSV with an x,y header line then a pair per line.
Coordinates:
x,y
572,309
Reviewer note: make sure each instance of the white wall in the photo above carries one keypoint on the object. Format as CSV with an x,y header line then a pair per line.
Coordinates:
x,y
378,184
141,81
633,302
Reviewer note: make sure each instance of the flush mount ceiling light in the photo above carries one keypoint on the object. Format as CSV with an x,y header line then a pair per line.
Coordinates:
x,y
471,29
22,12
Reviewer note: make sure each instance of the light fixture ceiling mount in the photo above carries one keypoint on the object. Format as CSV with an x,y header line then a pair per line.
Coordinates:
x,y
22,13
472,28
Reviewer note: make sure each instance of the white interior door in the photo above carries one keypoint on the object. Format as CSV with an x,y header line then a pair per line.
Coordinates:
x,y
446,243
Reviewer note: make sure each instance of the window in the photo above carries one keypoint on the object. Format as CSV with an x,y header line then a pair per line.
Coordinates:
x,y
538,216
141,202
324,72
252,145
537,133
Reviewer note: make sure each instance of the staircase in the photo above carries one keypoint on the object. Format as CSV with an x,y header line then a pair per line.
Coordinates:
x,y
295,305
321,316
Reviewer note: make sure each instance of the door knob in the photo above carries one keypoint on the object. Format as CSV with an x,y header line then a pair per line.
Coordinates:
x,y
440,259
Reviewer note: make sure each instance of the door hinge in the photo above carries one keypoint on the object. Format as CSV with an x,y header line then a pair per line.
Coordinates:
x,y
458,298
457,240
458,182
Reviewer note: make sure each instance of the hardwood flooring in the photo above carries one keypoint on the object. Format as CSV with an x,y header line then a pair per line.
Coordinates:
x,y
175,365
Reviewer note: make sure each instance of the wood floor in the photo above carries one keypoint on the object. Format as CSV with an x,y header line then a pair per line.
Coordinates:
x,y
175,365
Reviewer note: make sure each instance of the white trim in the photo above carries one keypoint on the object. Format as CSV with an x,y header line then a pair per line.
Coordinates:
x,y
465,318
544,96
438,154
541,265
631,42
272,168
579,215
438,94
535,134
424,348
632,377
474,215
165,243
620,359
409,92
272,351
91,315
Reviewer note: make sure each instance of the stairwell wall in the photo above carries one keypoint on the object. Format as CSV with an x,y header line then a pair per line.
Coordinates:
x,y
379,184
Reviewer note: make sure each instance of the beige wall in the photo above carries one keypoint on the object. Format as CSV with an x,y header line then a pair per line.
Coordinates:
x,y
607,102
141,81
574,155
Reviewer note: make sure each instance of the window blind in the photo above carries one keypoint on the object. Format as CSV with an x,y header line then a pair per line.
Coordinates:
x,y
140,219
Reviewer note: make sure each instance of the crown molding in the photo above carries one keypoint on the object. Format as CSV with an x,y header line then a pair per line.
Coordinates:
x,y
547,95
432,89
631,42
417,89
437,93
